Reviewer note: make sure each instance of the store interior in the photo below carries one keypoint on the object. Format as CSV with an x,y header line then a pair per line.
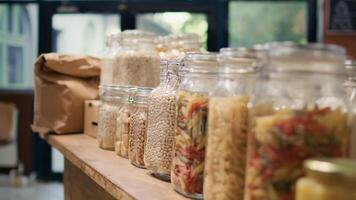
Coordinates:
x,y
36,165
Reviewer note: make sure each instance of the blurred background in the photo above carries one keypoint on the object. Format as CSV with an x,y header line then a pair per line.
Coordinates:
x,y
29,28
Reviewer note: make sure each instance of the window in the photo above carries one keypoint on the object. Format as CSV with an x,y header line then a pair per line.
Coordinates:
x,y
18,28
83,33
174,22
255,22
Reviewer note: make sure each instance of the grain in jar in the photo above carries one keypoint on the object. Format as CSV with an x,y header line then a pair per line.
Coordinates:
x,y
161,123
108,110
136,61
138,127
228,123
112,42
300,112
191,134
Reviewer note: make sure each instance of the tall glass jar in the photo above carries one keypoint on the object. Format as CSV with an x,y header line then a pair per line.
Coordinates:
x,y
123,122
138,127
112,43
122,125
228,123
191,134
300,112
327,179
137,62
161,124
108,110
350,86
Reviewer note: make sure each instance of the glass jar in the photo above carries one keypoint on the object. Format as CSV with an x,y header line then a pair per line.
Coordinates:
x,y
299,112
123,122
138,127
327,179
137,62
161,124
108,61
122,125
108,110
191,134
174,47
228,123
350,86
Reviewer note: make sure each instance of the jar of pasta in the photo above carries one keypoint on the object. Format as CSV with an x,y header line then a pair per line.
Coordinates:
x,y
138,127
191,133
108,110
123,122
327,179
136,61
161,123
122,125
299,112
228,123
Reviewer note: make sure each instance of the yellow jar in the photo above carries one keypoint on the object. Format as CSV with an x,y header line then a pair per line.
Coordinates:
x,y
328,179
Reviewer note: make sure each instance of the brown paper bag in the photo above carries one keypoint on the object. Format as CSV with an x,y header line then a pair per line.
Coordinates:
x,y
8,122
62,84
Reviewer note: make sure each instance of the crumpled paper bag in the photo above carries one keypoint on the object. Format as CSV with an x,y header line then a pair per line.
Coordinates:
x,y
62,84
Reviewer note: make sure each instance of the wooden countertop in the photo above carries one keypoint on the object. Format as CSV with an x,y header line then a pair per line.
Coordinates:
x,y
113,173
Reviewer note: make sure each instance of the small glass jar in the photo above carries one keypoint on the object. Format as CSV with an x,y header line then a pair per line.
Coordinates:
x,y
299,112
112,42
161,123
122,125
228,123
327,179
108,110
191,134
138,127
137,62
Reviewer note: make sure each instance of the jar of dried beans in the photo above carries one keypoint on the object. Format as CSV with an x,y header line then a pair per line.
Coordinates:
x,y
228,123
191,132
108,110
122,125
299,112
138,127
161,123
136,61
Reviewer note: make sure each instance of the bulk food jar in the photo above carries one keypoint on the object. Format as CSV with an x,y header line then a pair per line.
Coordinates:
x,y
112,42
138,127
300,112
123,122
173,47
122,125
327,179
228,123
161,123
350,86
108,110
191,134
137,62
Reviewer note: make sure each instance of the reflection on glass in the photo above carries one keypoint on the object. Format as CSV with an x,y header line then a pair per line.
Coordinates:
x,y
15,64
174,22
83,33
259,22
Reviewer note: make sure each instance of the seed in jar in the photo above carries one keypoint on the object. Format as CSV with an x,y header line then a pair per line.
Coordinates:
x,y
107,126
160,132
